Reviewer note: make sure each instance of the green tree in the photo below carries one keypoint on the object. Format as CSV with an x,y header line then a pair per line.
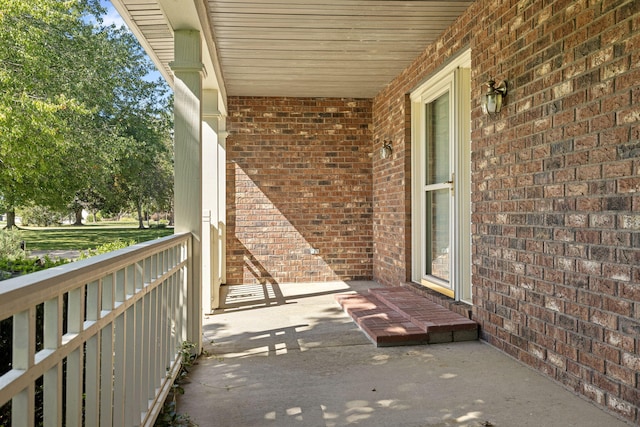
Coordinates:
x,y
43,47
69,90
143,170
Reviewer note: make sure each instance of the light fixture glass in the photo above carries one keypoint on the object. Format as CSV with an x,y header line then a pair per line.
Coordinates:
x,y
386,151
492,98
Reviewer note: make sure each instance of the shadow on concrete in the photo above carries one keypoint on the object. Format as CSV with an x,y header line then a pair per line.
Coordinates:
x,y
247,297
303,362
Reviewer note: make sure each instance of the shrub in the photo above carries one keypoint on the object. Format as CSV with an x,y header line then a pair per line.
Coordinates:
x,y
11,245
94,218
107,247
40,216
29,265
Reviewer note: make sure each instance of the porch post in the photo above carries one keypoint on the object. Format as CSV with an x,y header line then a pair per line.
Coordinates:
x,y
188,70
212,213
222,200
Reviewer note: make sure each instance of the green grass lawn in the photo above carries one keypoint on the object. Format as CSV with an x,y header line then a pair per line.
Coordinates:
x,y
88,236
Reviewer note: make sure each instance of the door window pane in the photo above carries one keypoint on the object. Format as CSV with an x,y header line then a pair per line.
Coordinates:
x,y
438,140
438,230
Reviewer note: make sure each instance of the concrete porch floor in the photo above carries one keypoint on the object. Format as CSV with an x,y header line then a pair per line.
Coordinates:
x,y
287,355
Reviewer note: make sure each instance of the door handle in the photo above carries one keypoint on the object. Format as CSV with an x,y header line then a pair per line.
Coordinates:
x,y
453,178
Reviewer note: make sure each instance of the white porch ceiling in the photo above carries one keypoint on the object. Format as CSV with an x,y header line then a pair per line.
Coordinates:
x,y
317,48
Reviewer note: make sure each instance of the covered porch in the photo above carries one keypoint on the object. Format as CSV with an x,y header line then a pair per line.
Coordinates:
x,y
321,147
346,140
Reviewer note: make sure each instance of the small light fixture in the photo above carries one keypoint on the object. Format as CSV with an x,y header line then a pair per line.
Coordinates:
x,y
386,151
492,98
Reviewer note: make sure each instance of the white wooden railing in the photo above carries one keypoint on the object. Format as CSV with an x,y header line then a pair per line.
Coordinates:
x,y
112,327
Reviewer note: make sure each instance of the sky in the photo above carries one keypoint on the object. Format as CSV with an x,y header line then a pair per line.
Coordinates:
x,y
113,17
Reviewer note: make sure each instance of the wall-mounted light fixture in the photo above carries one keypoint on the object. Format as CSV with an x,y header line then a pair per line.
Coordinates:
x,y
492,98
386,151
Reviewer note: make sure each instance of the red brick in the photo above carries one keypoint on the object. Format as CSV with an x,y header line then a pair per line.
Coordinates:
x,y
297,176
626,409
631,361
594,393
592,361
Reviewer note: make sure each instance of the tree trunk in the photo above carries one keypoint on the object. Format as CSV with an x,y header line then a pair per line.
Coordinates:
x,y
11,219
78,213
140,218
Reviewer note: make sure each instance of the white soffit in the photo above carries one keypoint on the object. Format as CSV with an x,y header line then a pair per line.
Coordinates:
x,y
295,48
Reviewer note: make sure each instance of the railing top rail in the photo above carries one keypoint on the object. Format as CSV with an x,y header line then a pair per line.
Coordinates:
x,y
21,292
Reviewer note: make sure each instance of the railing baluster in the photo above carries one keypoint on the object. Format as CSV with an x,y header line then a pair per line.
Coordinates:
x,y
120,355
120,287
106,353
74,388
138,349
173,306
160,263
130,391
22,408
139,276
130,280
52,414
24,339
147,270
154,266
92,363
75,311
106,375
162,326
92,378
24,333
108,297
166,326
154,384
175,313
182,300
75,324
145,356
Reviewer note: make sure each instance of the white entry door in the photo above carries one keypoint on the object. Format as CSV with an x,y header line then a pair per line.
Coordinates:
x,y
441,181
439,190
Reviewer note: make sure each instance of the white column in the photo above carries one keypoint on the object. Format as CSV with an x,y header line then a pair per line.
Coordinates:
x,y
210,210
222,201
189,70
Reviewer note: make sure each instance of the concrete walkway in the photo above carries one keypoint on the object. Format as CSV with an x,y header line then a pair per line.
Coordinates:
x,y
57,254
286,355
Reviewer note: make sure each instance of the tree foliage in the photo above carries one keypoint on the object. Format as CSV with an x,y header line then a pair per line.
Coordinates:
x,y
71,89
143,172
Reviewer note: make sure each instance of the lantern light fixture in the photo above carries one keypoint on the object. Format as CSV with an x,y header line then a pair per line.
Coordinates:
x,y
492,98
386,150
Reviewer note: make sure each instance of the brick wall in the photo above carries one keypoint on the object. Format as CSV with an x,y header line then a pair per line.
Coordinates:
x,y
555,187
298,178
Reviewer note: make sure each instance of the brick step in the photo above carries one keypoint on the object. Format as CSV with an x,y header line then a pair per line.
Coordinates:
x,y
397,316
431,317
383,325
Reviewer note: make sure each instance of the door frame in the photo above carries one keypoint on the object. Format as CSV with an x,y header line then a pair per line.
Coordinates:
x,y
454,77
